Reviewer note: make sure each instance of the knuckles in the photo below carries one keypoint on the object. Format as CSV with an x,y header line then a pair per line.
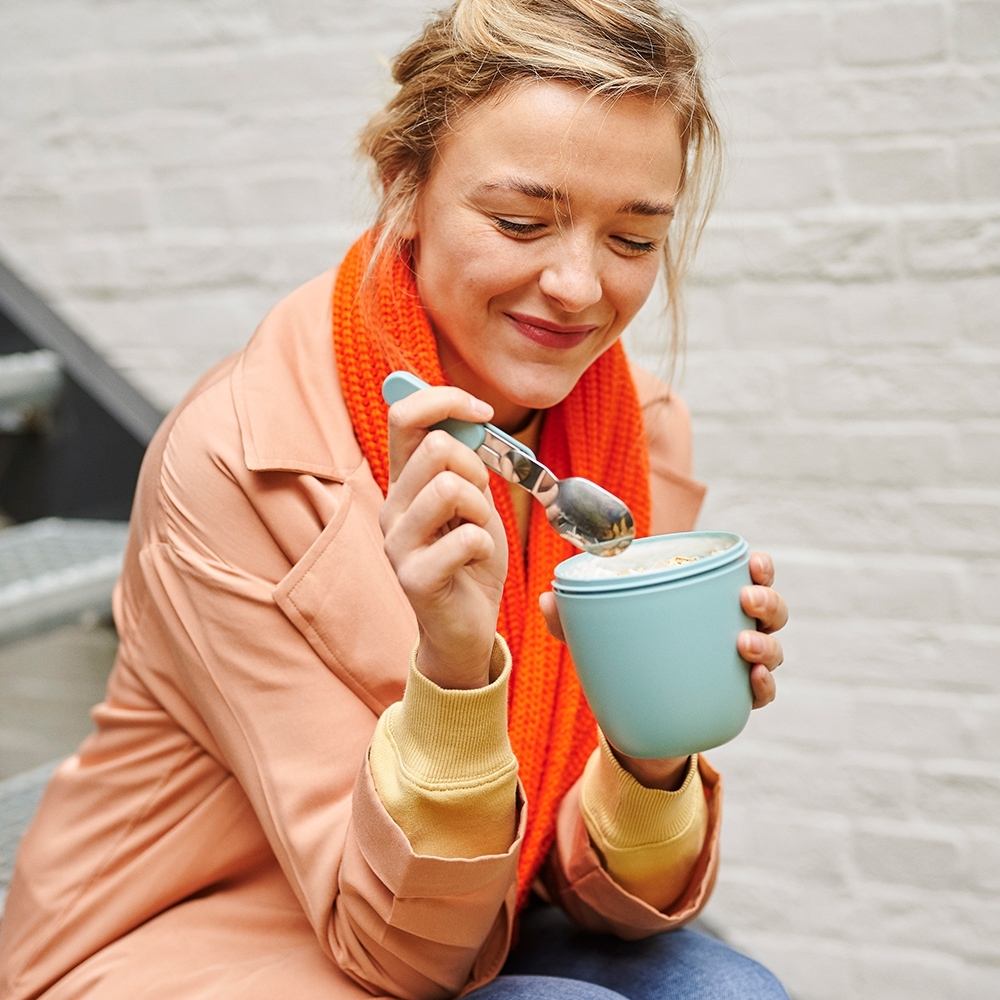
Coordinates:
x,y
441,451
452,490
438,445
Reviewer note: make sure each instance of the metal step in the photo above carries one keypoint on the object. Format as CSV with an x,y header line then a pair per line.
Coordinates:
x,y
56,570
30,383
18,800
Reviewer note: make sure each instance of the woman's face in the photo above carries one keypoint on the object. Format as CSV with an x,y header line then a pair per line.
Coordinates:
x,y
538,236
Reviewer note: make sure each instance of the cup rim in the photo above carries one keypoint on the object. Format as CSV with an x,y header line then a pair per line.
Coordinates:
x,y
687,543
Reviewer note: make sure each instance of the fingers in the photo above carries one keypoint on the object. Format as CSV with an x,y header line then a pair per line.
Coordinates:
x,y
756,647
765,654
437,485
760,648
443,483
547,603
443,536
411,418
448,504
766,605
437,452
425,573
761,569
762,685
418,454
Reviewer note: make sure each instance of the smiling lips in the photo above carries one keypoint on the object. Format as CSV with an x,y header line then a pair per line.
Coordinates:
x,y
549,334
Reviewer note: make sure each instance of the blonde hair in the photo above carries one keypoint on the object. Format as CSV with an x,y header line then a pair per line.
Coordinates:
x,y
612,48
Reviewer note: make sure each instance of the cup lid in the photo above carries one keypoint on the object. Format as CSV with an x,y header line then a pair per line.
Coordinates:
x,y
649,561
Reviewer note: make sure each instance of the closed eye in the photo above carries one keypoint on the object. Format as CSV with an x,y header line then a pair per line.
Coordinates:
x,y
517,228
636,247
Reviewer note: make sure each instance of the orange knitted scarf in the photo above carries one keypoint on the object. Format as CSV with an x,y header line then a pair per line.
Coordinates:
x,y
596,432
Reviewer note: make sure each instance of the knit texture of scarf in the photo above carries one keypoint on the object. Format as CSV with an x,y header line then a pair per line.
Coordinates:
x,y
596,432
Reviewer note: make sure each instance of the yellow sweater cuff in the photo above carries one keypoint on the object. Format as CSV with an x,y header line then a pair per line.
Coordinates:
x,y
443,767
648,839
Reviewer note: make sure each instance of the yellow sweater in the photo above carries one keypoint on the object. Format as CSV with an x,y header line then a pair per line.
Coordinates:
x,y
443,767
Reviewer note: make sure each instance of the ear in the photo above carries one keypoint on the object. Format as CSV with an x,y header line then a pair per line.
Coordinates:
x,y
399,206
409,230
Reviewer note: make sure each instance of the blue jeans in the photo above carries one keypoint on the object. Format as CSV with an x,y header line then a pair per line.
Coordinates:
x,y
554,960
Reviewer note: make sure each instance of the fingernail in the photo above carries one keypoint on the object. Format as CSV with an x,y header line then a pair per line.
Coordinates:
x,y
482,409
755,643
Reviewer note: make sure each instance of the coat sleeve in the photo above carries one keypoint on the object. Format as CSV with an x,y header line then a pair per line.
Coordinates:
x,y
649,840
576,879
262,675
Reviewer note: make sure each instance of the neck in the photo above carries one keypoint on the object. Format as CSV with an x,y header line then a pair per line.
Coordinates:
x,y
514,430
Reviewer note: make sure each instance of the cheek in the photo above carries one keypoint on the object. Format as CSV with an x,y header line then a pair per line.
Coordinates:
x,y
490,268
631,287
461,263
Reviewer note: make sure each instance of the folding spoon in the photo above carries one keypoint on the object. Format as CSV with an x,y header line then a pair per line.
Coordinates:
x,y
580,511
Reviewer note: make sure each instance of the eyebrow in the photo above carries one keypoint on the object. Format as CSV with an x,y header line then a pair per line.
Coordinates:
x,y
533,189
643,207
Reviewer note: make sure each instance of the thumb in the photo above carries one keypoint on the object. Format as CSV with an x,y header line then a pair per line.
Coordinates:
x,y
547,603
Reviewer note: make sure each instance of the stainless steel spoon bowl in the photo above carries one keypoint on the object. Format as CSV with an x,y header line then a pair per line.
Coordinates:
x,y
580,511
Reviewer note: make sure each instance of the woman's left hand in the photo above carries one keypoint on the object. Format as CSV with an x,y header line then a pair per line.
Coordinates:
x,y
759,648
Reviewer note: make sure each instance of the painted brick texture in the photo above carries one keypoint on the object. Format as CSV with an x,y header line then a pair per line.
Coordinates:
x,y
169,169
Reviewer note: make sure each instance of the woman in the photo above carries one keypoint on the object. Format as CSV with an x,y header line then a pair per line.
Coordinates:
x,y
340,746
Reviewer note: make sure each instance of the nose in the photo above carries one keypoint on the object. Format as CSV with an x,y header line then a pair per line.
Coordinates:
x,y
572,277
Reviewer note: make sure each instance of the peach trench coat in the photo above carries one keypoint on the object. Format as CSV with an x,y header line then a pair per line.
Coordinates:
x,y
219,835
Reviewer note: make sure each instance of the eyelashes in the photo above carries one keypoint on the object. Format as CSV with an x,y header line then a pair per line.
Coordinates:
x,y
632,248
517,228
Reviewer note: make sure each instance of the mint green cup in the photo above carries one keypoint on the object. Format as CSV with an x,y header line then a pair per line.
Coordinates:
x,y
654,645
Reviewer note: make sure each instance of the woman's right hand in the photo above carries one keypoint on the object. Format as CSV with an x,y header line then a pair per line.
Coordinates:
x,y
443,536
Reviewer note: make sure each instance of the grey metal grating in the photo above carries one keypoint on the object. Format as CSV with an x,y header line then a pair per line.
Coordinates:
x,y
55,570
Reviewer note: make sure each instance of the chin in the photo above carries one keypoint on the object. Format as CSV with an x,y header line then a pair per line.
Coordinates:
x,y
540,393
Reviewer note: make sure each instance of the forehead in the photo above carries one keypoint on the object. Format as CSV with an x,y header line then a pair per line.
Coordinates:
x,y
565,138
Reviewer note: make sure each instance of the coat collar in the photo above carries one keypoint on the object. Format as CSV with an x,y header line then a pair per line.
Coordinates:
x,y
289,405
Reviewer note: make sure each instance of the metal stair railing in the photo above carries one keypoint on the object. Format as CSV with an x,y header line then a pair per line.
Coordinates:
x,y
83,458
30,383
52,570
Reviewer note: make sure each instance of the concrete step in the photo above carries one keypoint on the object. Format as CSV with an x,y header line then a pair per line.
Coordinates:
x,y
56,570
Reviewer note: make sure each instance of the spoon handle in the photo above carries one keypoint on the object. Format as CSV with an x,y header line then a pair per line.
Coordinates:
x,y
400,384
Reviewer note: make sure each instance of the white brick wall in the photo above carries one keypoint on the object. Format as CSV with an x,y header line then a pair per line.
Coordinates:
x,y
169,168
